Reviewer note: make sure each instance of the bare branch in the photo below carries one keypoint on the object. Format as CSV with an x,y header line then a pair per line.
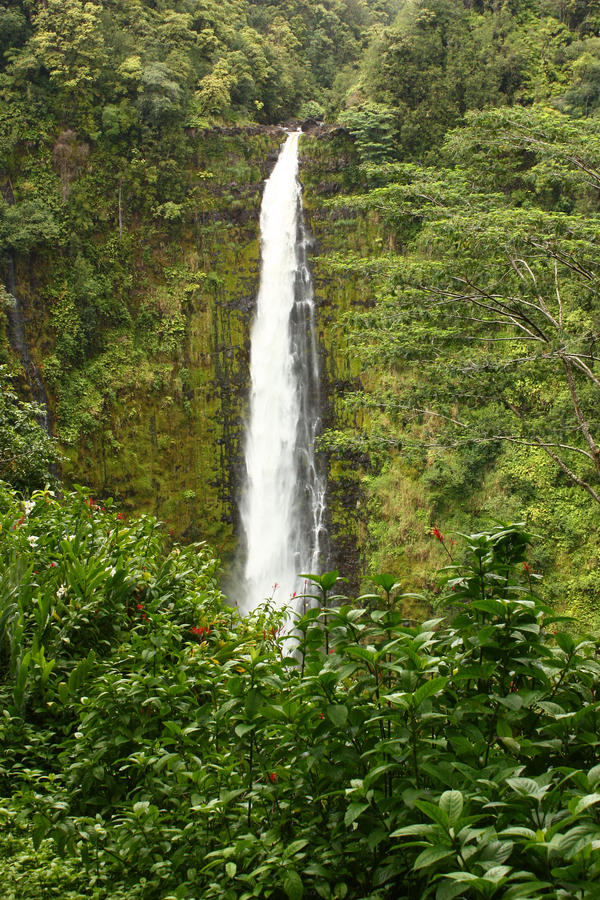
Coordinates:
x,y
560,309
574,478
580,417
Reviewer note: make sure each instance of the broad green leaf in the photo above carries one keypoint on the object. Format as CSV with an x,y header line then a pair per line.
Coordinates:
x,y
497,873
451,802
434,812
565,641
231,869
594,775
338,714
292,885
410,830
527,787
386,581
431,687
243,728
296,847
511,701
353,812
583,803
448,890
431,855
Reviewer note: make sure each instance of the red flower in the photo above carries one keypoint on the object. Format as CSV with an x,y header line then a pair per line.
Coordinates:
x,y
199,631
119,515
52,565
527,568
272,776
436,533
140,606
321,715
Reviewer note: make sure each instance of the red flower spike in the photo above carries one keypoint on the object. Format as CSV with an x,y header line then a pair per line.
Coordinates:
x,y
272,777
199,631
52,565
436,533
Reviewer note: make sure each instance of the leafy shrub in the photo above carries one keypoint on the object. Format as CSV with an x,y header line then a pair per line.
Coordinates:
x,y
176,750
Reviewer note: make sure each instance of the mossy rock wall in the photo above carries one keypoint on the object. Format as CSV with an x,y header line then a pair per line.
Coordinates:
x,y
149,400
329,168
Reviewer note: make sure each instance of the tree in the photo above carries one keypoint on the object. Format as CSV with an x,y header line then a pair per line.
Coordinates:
x,y
68,44
492,306
373,128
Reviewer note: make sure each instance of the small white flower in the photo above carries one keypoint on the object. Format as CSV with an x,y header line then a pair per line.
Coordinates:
x,y
28,505
61,591
32,539
113,571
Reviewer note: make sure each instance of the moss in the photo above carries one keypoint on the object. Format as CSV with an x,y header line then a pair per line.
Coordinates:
x,y
150,408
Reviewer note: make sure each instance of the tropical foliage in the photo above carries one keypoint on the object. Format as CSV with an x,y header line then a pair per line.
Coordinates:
x,y
167,748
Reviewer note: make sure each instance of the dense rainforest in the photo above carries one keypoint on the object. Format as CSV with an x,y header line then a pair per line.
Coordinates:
x,y
437,736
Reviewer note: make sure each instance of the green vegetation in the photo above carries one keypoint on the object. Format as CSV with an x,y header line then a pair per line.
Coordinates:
x,y
457,247
440,58
156,745
27,453
134,139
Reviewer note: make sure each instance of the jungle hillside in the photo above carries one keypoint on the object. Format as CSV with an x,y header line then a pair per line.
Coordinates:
x,y
429,728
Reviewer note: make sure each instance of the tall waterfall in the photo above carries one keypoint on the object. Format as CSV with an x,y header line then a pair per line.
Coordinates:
x,y
283,501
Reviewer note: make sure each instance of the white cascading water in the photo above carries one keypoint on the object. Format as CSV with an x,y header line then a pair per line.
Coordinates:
x,y
283,501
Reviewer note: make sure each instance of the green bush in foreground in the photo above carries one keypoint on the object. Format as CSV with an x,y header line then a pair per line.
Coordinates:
x,y
166,748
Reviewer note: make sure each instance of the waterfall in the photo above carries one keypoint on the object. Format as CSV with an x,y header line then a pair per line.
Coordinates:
x,y
283,500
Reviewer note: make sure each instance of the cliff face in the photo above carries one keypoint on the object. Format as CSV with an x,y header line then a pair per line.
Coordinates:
x,y
329,169
149,399
138,323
